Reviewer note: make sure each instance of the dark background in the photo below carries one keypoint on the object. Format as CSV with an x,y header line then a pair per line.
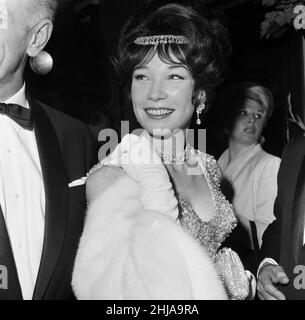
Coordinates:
x,y
85,38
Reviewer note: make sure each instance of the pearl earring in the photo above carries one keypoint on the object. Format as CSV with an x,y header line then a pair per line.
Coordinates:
x,y
199,110
42,63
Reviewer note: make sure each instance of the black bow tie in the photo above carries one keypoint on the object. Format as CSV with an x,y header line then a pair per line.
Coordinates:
x,y
19,114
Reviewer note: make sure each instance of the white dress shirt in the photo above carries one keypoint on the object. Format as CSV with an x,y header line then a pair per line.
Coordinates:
x,y
22,196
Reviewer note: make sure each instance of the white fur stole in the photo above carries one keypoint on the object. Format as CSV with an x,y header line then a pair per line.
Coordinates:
x,y
126,252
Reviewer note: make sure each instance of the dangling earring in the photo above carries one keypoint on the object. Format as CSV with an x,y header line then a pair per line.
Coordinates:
x,y
42,64
199,110
261,140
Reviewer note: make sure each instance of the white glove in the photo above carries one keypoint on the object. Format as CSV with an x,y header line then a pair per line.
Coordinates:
x,y
138,158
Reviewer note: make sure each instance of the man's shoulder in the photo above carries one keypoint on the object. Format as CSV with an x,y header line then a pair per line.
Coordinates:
x,y
73,135
59,117
298,141
62,121
295,148
292,160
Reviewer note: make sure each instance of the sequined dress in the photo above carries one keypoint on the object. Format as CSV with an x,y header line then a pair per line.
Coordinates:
x,y
210,234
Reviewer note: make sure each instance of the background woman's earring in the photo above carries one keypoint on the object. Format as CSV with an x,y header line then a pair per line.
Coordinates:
x,y
42,64
199,110
261,140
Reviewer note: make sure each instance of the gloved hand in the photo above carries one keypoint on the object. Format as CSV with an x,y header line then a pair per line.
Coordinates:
x,y
140,160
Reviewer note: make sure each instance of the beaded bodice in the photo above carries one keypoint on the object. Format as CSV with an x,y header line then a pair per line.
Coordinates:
x,y
210,234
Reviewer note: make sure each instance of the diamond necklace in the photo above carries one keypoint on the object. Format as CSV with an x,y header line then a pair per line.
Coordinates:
x,y
175,158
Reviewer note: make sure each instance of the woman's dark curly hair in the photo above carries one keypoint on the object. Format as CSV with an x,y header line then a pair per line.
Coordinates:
x,y
205,55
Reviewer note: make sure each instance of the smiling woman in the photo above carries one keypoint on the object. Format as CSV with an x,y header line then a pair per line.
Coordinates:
x,y
199,45
162,95
156,230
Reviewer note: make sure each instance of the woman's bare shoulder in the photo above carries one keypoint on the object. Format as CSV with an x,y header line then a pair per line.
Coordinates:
x,y
101,179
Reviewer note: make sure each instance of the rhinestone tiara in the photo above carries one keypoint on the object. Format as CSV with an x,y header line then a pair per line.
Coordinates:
x,y
161,39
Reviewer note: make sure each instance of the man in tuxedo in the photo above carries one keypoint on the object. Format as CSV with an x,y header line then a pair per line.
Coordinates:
x,y
43,155
280,274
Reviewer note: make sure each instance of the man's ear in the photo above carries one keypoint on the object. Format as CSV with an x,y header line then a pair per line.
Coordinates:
x,y
40,37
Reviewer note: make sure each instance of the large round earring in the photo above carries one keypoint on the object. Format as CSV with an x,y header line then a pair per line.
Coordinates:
x,y
199,110
42,64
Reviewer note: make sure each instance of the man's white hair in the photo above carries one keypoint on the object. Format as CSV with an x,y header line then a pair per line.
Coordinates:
x,y
44,8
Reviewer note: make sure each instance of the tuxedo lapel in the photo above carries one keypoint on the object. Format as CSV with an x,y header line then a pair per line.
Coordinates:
x,y
297,217
13,292
290,186
57,197
293,224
